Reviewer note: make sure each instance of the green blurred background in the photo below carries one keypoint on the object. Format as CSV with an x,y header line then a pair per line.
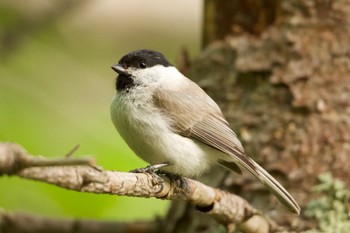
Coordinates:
x,y
56,86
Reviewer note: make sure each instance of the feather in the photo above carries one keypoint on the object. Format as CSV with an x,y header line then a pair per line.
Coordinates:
x,y
195,115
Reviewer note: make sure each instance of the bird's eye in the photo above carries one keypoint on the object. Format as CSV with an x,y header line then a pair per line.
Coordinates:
x,y
142,65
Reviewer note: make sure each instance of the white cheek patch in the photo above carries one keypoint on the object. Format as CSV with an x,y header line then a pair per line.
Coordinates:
x,y
158,75
170,77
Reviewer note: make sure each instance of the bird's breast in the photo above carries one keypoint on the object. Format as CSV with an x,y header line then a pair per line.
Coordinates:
x,y
148,133
140,124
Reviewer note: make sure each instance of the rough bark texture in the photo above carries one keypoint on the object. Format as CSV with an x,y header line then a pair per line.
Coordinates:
x,y
285,89
228,17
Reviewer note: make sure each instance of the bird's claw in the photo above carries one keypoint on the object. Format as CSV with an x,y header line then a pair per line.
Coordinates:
x,y
149,168
180,181
152,170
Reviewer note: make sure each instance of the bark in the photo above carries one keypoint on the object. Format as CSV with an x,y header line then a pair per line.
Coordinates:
x,y
79,175
228,17
281,75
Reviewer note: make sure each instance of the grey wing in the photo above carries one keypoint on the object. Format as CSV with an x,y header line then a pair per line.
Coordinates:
x,y
218,135
197,116
194,114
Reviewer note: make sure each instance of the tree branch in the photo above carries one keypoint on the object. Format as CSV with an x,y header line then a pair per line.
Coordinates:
x,y
19,222
81,175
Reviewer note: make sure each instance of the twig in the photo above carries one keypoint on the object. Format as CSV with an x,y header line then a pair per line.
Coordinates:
x,y
225,207
14,158
71,152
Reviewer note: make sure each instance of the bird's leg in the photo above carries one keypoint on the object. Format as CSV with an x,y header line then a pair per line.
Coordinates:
x,y
150,168
153,171
181,181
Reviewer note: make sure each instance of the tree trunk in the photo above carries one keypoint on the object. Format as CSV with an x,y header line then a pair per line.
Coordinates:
x,y
280,71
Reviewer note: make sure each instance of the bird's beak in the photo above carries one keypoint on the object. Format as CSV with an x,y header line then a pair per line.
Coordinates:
x,y
119,69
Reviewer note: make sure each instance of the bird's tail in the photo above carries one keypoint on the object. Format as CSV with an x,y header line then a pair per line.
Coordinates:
x,y
276,188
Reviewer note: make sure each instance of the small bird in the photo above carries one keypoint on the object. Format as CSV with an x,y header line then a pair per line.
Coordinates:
x,y
171,123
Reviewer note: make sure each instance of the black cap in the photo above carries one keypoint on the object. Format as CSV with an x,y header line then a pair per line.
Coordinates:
x,y
143,58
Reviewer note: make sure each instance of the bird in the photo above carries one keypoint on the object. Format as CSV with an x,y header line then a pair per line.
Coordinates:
x,y
171,123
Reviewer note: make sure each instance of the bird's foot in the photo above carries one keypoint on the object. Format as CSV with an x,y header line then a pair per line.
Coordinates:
x,y
179,180
149,168
152,170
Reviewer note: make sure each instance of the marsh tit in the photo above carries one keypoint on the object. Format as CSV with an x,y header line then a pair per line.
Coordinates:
x,y
165,118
